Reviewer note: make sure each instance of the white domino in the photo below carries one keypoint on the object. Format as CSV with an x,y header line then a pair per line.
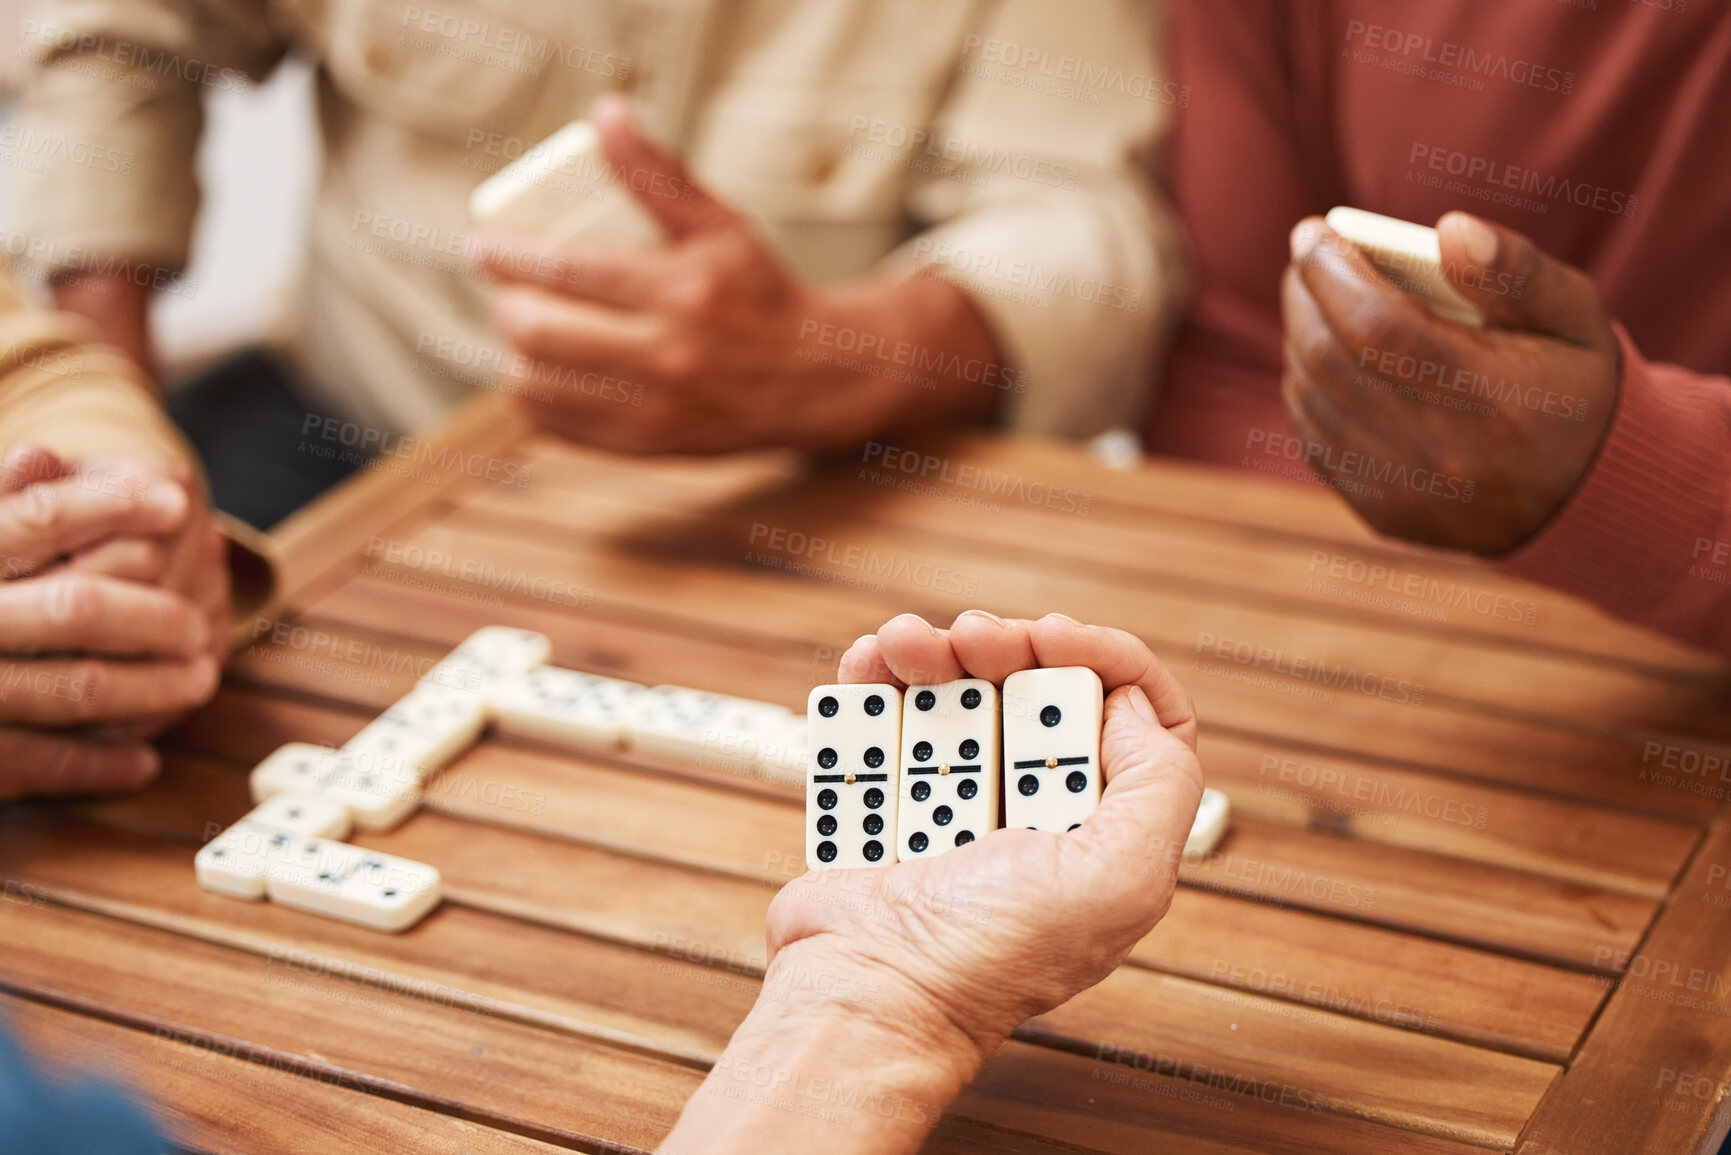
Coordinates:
x,y
1051,747
854,734
360,886
949,767
564,189
783,752
564,707
1409,255
377,790
1209,826
693,725
298,767
490,652
425,729
236,861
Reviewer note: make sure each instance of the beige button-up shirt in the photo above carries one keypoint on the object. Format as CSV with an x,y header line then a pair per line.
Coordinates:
x,y
1006,142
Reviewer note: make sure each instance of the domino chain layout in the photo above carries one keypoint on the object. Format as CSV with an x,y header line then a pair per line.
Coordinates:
x,y
291,847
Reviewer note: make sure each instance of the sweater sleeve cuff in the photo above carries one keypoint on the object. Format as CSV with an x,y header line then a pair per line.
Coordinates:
x,y
1625,538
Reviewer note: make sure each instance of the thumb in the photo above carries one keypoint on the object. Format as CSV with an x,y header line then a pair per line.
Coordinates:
x,y
1153,784
655,177
1517,286
27,463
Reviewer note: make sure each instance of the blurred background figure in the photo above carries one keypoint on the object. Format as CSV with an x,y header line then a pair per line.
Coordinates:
x,y
1584,437
835,149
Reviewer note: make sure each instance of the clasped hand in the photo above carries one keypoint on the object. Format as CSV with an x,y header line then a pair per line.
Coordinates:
x,y
114,615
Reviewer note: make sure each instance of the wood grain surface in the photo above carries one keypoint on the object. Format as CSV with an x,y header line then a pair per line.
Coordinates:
x,y
1470,899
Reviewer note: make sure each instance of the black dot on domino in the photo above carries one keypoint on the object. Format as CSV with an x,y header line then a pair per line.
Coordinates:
x,y
826,852
1029,786
872,850
390,892
922,751
943,815
827,758
963,837
826,799
828,706
917,841
969,749
874,705
1051,716
1077,782
967,788
970,698
925,700
874,798
874,824
874,757
1073,826
921,791
826,825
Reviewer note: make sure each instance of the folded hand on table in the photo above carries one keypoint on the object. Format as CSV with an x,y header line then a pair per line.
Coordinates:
x,y
113,616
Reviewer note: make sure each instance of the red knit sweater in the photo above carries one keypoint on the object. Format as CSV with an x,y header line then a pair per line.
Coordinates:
x,y
1600,128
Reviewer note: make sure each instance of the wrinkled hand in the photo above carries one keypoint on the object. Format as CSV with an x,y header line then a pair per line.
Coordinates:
x,y
1434,431
1013,924
96,650
711,344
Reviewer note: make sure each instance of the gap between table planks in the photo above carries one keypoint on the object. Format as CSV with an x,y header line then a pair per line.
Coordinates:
x,y
1152,538
1020,579
1593,845
691,596
443,1054
1451,991
1445,897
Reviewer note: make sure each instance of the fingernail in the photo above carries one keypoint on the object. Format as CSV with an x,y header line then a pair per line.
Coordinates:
x,y
1480,239
1303,236
146,764
990,617
167,498
1144,708
1066,618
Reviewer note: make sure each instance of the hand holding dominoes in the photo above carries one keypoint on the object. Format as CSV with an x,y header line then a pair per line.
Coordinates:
x,y
1010,922
1387,373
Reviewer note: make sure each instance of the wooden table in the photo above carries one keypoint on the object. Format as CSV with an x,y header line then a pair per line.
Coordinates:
x,y
1474,896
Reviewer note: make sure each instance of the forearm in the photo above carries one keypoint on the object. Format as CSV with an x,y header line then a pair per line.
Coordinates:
x,y
810,1072
120,310
891,352
1646,534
